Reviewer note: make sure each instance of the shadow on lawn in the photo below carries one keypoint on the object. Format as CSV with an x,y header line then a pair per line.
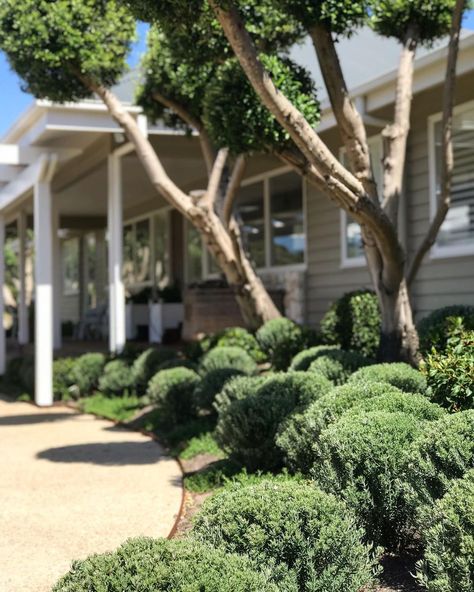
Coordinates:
x,y
106,454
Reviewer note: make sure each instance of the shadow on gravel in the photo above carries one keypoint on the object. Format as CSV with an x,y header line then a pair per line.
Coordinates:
x,y
29,419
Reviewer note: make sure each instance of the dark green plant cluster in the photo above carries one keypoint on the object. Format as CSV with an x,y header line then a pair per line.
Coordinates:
x,y
280,339
227,357
412,404
353,322
434,329
450,372
448,534
337,365
117,378
401,375
147,365
87,371
237,388
160,565
248,424
211,385
63,378
238,337
303,359
53,47
289,526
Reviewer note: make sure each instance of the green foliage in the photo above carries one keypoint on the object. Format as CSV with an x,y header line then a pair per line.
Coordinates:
x,y
160,565
410,403
247,427
298,436
429,20
50,44
433,330
117,378
341,16
87,372
362,460
147,365
172,393
337,365
249,126
303,359
203,444
280,521
237,388
445,451
450,373
63,378
281,339
398,374
212,477
114,408
228,357
20,372
353,322
238,337
448,563
211,385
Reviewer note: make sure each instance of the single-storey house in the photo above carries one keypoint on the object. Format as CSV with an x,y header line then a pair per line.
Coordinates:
x,y
103,237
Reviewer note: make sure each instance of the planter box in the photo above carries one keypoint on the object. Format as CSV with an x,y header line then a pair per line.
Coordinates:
x,y
163,316
136,315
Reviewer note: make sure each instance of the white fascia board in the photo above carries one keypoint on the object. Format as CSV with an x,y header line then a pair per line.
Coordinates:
x,y
23,123
23,183
13,154
8,173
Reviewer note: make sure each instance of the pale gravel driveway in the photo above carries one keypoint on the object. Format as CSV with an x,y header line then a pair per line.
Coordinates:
x,y
72,485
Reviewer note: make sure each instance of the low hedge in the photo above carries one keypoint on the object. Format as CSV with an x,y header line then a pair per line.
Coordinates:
x,y
172,391
159,565
337,365
353,322
247,427
116,379
227,357
211,385
303,359
87,371
363,461
298,436
281,339
287,522
433,330
238,387
448,534
398,374
238,337
147,365
411,403
63,378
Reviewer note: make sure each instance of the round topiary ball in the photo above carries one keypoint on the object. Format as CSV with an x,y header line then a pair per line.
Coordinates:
x,y
239,337
288,522
303,359
298,436
247,427
227,357
337,365
448,535
399,374
411,403
116,379
211,385
87,372
160,565
281,339
172,393
363,459
236,388
147,365
63,378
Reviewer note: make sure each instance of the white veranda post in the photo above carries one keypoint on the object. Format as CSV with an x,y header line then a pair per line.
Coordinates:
x,y
44,318
23,325
115,246
3,348
57,335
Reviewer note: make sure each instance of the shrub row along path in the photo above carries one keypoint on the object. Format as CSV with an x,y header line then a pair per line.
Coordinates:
x,y
72,485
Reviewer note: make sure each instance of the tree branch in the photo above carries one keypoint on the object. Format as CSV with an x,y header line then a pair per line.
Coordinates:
x,y
234,185
207,149
447,161
215,178
395,135
349,120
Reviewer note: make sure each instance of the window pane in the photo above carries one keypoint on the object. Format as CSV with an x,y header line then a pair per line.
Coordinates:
x,y
458,228
250,212
70,260
142,251
354,246
128,275
162,251
286,220
194,254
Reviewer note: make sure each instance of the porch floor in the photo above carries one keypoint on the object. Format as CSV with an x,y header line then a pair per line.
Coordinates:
x,y
72,485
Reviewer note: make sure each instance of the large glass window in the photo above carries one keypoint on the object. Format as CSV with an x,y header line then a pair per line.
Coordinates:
x,y
70,266
456,235
286,220
251,214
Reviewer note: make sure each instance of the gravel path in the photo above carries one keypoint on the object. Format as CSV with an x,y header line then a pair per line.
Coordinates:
x,y
72,485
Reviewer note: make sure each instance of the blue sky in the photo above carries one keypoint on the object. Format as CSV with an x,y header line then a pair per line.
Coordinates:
x,y
14,101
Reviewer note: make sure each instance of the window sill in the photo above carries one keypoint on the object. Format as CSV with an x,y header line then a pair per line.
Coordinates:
x,y
451,252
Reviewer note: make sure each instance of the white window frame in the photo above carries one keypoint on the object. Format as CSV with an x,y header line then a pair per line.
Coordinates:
x,y
346,261
446,251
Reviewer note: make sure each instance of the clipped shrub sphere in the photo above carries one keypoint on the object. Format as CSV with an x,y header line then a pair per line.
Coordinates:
x,y
63,378
160,565
411,403
238,387
87,372
228,357
281,339
116,379
303,359
398,374
172,393
337,365
147,365
298,436
239,337
448,534
211,385
363,461
247,427
287,522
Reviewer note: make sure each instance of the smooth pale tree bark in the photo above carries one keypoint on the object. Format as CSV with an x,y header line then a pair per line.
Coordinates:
x,y
221,237
353,190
